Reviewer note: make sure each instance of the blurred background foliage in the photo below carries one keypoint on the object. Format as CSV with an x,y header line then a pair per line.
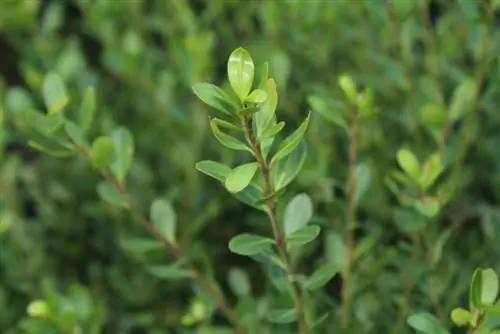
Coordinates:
x,y
59,240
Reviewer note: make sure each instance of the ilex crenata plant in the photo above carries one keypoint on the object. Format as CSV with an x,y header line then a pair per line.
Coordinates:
x,y
247,122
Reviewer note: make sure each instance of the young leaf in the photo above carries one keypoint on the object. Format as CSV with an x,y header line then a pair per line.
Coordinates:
x,y
240,71
291,142
109,194
213,96
282,316
124,149
409,163
102,152
302,236
227,140
87,109
298,213
461,317
54,93
257,96
171,272
349,88
214,169
163,216
321,276
240,177
249,244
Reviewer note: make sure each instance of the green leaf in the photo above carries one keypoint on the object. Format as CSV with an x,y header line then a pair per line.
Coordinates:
x,y
332,110
363,179
227,140
475,292
282,316
461,317
429,207
109,194
58,151
240,177
213,96
214,169
409,163
87,109
426,323
225,124
240,71
462,98
54,93
265,117
239,282
437,249
321,276
262,76
172,272
298,213
74,132
249,244
408,220
336,250
273,131
489,289
102,152
124,149
286,170
430,171
349,88
140,246
163,217
257,96
291,142
302,236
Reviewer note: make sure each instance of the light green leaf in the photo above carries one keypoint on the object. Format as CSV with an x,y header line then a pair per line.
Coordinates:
x,y
87,109
430,171
239,282
213,96
426,323
336,250
163,217
140,246
302,236
490,286
273,131
282,316
437,249
240,71
298,213
74,132
102,152
349,88
240,177
461,317
262,76
321,276
265,118
249,244
109,194
291,142
124,149
225,124
172,272
409,163
257,96
214,169
227,140
475,292
54,93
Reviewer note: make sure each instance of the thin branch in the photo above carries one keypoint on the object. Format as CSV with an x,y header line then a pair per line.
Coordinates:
x,y
179,254
273,218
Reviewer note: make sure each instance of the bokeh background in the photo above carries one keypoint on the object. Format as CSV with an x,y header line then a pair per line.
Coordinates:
x,y
59,240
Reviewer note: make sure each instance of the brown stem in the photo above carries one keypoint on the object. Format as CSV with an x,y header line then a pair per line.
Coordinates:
x,y
273,218
350,214
178,253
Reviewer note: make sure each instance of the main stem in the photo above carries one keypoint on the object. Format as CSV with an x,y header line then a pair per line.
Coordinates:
x,y
178,253
350,215
273,218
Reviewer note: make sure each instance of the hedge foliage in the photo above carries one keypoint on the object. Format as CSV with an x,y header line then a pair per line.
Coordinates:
x,y
423,206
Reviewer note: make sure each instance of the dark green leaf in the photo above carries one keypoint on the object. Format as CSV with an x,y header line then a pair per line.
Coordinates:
x,y
286,170
321,276
109,194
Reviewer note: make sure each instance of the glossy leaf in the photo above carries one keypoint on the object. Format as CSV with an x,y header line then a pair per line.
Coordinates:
x,y
249,244
213,96
257,96
163,217
240,71
298,213
291,142
240,177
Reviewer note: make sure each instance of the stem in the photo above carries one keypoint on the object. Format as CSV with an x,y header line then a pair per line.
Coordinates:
x,y
350,214
176,251
273,218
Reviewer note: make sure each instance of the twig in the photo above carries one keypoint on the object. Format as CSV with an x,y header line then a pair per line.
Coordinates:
x,y
273,218
178,253
350,214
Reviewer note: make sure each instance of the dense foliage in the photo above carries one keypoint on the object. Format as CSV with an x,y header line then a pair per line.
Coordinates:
x,y
402,171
